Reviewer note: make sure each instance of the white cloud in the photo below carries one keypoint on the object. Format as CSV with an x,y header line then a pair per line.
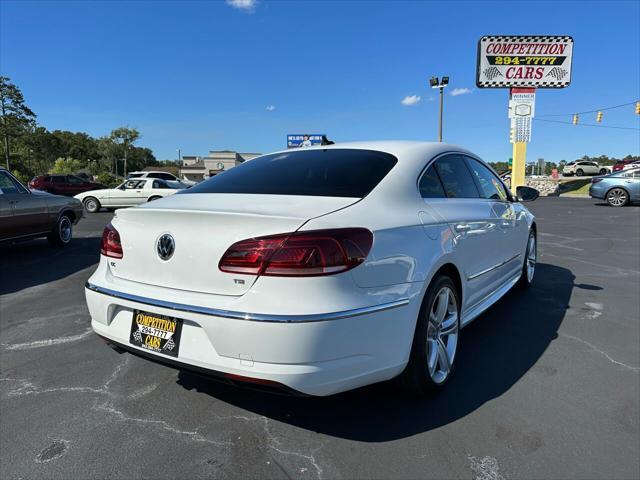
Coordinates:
x,y
460,91
244,5
410,100
270,108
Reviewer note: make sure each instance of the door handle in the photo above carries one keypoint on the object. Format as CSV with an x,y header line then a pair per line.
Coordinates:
x,y
463,227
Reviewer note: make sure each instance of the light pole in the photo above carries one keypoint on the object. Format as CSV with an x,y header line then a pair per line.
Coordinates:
x,y
179,156
436,83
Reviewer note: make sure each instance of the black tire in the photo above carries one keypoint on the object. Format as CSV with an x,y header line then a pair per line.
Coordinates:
x,y
151,199
579,172
604,171
526,279
617,197
417,377
91,204
63,231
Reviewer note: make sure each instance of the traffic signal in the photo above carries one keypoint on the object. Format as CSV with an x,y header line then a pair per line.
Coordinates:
x,y
599,117
575,119
637,108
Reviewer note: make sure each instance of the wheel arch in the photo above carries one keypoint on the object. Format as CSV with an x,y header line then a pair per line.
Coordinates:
x,y
614,187
69,213
452,272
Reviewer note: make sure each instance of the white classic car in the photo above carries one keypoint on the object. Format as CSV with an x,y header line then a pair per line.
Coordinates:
x,y
132,192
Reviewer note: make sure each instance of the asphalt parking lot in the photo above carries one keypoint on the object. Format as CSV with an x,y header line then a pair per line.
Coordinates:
x,y
547,384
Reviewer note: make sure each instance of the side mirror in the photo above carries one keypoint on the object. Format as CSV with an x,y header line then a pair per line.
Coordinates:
x,y
526,194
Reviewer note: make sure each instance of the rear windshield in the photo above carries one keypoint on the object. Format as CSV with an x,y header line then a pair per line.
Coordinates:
x,y
323,173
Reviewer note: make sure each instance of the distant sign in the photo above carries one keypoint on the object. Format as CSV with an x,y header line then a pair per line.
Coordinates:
x,y
524,61
304,140
521,127
522,102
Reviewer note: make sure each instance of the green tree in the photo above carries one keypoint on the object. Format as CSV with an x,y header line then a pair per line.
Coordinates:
x,y
77,145
66,166
16,116
125,137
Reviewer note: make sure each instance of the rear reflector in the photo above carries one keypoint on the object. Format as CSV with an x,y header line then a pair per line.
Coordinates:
x,y
111,246
299,254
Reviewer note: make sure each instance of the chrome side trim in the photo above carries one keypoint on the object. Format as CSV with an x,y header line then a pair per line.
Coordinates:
x,y
476,275
255,317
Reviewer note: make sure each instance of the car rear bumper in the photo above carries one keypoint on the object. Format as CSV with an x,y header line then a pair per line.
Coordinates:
x,y
597,191
312,354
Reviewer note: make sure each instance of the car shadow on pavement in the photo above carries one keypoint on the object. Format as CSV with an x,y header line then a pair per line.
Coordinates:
x,y
496,351
34,262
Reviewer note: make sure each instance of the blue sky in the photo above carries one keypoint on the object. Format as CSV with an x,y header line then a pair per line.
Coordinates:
x,y
201,75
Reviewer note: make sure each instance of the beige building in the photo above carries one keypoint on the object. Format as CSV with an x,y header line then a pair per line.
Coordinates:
x,y
199,168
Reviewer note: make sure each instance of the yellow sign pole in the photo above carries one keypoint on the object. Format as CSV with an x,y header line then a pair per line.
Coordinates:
x,y
518,165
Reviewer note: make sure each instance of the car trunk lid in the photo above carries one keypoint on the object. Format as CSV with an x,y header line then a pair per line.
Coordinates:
x,y
203,227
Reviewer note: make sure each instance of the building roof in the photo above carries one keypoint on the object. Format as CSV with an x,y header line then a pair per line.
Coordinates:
x,y
164,168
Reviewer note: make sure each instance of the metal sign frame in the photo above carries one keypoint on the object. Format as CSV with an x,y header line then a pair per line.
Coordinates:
x,y
536,61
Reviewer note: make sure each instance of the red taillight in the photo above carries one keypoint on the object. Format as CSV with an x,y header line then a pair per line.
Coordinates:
x,y
111,246
312,253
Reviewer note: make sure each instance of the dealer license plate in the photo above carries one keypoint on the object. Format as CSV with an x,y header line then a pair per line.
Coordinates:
x,y
158,333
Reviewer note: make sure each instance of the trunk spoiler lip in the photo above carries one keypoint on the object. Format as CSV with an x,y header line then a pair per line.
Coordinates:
x,y
255,317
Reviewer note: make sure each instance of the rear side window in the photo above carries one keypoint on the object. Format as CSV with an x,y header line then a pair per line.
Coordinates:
x,y
324,173
160,184
456,178
58,179
490,186
430,185
134,175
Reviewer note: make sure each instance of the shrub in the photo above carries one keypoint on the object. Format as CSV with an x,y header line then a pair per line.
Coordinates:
x,y
107,180
23,177
66,166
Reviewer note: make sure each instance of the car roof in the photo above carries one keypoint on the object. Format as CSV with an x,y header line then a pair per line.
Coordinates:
x,y
405,150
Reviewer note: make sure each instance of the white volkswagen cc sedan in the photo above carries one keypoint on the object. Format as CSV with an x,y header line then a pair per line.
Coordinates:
x,y
319,270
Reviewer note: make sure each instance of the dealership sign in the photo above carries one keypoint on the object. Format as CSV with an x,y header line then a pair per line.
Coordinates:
x,y
524,61
304,140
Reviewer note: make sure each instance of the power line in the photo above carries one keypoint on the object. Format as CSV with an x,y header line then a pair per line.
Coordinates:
x,y
589,111
587,124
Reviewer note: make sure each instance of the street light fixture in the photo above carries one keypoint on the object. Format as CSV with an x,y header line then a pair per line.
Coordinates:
x,y
434,82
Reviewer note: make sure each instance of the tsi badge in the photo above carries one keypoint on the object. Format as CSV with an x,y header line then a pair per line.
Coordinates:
x,y
165,247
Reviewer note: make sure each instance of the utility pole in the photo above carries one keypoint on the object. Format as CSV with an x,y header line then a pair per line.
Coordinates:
x,y
434,82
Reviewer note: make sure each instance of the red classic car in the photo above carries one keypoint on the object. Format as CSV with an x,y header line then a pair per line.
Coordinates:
x,y
69,185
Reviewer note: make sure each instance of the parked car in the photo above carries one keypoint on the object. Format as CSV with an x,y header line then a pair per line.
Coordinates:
x,y
162,175
317,270
631,165
620,164
582,167
130,193
28,214
63,184
618,189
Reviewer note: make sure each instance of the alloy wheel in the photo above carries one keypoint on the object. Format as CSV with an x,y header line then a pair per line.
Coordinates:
x,y
617,197
442,335
531,257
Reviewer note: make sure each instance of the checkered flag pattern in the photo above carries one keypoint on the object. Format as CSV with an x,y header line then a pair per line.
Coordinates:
x,y
170,344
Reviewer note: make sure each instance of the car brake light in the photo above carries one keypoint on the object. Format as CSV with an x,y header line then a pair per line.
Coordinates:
x,y
299,254
111,246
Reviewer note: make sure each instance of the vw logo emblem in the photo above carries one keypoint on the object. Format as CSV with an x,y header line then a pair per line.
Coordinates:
x,y
165,247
